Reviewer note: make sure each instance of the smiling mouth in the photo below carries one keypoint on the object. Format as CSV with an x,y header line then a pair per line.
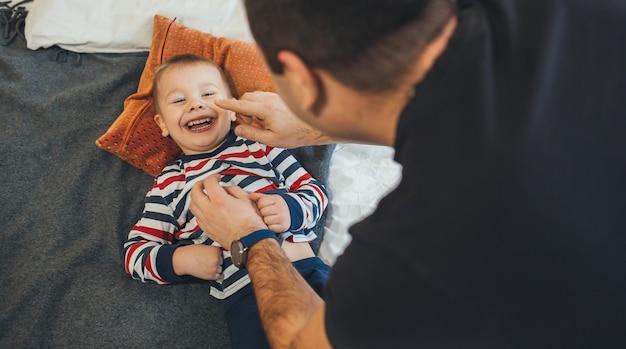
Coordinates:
x,y
200,125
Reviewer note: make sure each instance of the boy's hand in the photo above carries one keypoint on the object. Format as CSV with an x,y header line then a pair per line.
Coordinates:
x,y
201,261
274,210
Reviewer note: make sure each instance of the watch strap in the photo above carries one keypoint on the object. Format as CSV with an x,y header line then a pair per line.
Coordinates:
x,y
256,236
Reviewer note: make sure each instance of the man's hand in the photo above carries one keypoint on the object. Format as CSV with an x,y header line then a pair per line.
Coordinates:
x,y
264,117
201,261
225,214
274,210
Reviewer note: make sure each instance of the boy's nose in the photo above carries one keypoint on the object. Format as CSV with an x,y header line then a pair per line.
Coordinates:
x,y
195,106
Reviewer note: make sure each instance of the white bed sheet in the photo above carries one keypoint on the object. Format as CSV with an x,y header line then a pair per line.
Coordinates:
x,y
359,176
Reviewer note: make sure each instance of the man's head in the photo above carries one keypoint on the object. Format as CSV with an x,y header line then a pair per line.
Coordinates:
x,y
369,45
185,89
347,67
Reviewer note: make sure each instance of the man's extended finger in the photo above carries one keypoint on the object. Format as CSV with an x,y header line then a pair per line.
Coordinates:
x,y
240,106
257,96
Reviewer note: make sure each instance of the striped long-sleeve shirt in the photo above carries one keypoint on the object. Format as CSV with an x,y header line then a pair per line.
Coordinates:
x,y
167,222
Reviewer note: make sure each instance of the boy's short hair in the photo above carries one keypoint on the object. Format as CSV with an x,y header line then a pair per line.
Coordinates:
x,y
181,60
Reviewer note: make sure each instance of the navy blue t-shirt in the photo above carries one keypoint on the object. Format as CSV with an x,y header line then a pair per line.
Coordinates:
x,y
508,228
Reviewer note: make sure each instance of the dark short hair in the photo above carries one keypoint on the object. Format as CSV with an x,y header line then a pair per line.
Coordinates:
x,y
368,45
178,60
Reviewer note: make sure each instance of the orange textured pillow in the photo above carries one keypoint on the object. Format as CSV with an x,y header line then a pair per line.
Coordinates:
x,y
135,136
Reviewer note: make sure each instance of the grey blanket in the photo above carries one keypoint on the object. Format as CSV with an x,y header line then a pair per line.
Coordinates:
x,y
67,207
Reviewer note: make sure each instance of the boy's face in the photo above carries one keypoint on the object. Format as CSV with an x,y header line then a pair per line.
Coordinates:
x,y
188,112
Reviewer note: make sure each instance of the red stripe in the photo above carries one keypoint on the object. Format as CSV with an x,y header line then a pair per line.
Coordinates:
x,y
199,166
170,180
164,235
236,171
321,195
298,183
130,252
181,232
149,268
242,155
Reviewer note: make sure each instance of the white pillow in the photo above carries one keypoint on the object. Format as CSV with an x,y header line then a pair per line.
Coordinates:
x,y
126,26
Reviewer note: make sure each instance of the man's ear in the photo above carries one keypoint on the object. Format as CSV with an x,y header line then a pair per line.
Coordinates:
x,y
303,80
158,118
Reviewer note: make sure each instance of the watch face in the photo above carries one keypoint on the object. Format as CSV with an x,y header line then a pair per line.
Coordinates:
x,y
237,254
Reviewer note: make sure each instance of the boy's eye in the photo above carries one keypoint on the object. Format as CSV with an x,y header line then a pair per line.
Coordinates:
x,y
178,100
210,93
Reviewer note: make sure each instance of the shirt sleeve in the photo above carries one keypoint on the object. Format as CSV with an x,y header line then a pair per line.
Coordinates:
x,y
308,194
151,243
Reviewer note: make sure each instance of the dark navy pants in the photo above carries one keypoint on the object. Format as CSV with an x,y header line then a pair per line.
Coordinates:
x,y
242,314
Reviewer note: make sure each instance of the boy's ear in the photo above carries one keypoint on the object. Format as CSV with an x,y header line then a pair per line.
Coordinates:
x,y
158,118
303,81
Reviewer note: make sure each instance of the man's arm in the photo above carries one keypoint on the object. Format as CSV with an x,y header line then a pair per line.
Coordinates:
x,y
291,312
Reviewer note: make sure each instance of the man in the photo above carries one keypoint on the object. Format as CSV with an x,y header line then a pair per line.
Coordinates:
x,y
508,117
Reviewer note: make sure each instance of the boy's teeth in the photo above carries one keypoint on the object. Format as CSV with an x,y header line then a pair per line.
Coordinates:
x,y
198,122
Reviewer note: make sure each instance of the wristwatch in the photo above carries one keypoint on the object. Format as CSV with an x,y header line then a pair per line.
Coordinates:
x,y
239,248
